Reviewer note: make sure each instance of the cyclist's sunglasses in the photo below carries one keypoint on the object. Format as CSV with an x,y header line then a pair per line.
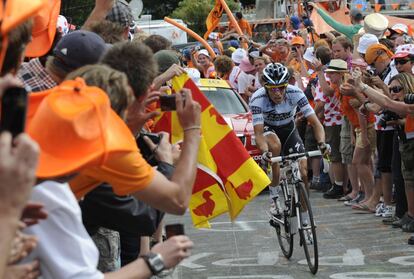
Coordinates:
x,y
396,89
276,88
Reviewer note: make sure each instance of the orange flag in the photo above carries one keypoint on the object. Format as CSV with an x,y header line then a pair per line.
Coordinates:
x,y
377,7
213,18
227,177
395,6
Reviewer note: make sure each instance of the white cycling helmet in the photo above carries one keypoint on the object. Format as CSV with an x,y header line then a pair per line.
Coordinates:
x,y
275,74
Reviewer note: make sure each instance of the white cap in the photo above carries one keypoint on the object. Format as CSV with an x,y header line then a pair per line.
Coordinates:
x,y
238,55
400,27
404,51
194,74
376,24
365,42
204,52
309,54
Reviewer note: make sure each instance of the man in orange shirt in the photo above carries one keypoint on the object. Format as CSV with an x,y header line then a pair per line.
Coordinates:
x,y
243,24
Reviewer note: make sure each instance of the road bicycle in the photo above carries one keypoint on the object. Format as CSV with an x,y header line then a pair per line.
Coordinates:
x,y
294,211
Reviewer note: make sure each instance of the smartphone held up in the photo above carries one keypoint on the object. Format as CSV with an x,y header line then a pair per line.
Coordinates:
x,y
174,229
13,110
167,102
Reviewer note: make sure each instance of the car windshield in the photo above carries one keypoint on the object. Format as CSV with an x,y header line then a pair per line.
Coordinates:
x,y
224,100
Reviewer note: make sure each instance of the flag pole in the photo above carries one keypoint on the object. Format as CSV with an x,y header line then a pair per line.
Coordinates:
x,y
233,21
192,34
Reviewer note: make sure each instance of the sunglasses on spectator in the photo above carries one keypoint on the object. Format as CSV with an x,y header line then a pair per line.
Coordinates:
x,y
401,61
396,89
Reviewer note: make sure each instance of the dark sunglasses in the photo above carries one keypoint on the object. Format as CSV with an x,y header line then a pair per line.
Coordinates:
x,y
396,89
401,61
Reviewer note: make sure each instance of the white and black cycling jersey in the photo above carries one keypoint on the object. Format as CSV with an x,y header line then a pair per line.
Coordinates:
x,y
266,112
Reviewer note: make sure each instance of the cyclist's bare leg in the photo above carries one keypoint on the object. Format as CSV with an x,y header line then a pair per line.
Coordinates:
x,y
275,146
303,168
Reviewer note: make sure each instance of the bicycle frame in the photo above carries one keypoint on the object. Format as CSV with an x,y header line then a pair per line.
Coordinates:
x,y
290,177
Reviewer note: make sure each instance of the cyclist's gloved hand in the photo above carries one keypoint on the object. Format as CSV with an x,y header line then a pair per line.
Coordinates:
x,y
267,157
324,148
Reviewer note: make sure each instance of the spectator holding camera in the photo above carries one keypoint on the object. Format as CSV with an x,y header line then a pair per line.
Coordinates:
x,y
401,86
295,58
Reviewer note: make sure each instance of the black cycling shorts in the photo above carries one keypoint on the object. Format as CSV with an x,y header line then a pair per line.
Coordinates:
x,y
289,138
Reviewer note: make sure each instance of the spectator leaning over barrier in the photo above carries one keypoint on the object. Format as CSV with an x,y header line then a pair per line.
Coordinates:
x,y
348,30
134,176
57,121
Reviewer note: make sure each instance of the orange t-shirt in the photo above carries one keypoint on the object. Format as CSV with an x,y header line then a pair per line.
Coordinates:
x,y
244,26
127,173
277,57
409,126
350,112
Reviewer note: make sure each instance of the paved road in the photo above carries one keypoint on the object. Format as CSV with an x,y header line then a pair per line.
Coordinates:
x,y
351,246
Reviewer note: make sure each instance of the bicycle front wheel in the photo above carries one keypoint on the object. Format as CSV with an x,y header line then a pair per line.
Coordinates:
x,y
307,232
283,232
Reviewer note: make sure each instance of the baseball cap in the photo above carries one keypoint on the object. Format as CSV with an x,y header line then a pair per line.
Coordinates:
x,y
356,13
400,28
165,59
238,55
295,21
365,41
297,41
403,51
204,52
121,13
77,49
44,29
76,128
234,43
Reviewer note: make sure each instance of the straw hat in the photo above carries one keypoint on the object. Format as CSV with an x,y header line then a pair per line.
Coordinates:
x,y
337,66
75,128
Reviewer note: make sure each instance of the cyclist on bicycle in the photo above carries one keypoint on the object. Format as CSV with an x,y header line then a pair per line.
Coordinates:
x,y
273,108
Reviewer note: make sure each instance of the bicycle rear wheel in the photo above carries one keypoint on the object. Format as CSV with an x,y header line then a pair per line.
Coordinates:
x,y
284,236
307,232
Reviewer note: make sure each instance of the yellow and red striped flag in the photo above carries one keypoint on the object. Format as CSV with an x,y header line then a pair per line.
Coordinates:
x,y
227,177
213,18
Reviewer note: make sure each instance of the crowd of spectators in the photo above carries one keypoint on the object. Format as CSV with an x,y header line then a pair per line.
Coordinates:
x,y
79,200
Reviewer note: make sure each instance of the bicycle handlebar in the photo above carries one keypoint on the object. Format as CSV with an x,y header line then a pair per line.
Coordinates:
x,y
295,156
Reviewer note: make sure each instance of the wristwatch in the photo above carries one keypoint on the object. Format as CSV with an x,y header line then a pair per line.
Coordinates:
x,y
154,262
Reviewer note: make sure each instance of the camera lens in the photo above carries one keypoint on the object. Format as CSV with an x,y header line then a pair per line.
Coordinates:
x,y
409,99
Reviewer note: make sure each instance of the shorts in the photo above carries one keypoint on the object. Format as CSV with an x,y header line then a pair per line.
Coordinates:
x,y
346,148
310,140
333,138
407,160
288,136
384,150
372,138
